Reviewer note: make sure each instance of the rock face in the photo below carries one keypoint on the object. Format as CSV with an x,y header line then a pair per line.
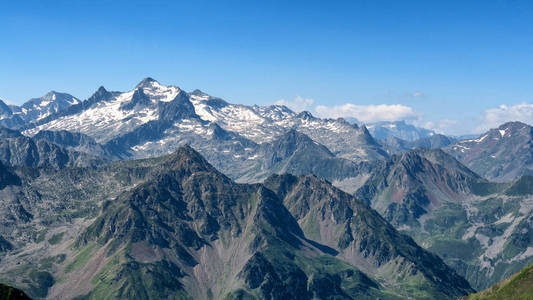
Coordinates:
x,y
357,234
7,177
480,228
501,154
80,142
175,226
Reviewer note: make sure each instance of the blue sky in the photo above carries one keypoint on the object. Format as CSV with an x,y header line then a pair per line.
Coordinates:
x,y
449,65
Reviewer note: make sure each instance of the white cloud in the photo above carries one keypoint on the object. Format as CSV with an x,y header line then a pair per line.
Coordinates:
x,y
415,94
298,104
441,126
368,113
495,117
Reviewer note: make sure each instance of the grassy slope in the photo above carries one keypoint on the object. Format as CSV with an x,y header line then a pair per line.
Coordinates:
x,y
518,286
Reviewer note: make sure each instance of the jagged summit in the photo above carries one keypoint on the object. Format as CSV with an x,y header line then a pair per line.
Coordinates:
x,y
513,125
199,93
146,82
186,158
306,115
101,89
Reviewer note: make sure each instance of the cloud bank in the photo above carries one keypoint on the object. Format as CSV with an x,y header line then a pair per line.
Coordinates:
x,y
298,104
495,117
442,126
368,113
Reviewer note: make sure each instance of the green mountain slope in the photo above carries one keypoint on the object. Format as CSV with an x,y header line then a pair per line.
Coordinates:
x,y
174,226
519,287
481,229
359,234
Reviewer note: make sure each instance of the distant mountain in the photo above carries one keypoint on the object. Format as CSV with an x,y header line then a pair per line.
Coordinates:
x,y
35,109
480,228
154,119
298,154
38,108
175,226
17,150
518,286
398,129
394,145
81,143
501,154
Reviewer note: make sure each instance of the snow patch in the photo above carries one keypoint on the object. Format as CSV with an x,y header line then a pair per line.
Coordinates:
x,y
481,139
508,218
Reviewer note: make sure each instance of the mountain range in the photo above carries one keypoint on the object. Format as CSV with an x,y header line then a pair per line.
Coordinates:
x,y
158,191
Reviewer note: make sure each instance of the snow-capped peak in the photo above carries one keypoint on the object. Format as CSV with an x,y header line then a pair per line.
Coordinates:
x,y
156,91
146,82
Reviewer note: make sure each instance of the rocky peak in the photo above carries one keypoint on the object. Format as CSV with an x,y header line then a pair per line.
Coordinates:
x,y
146,83
510,129
305,115
138,99
198,93
187,160
99,95
4,109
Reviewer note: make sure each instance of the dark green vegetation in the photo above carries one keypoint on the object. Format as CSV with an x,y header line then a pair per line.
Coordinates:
x,y
175,227
10,293
519,286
